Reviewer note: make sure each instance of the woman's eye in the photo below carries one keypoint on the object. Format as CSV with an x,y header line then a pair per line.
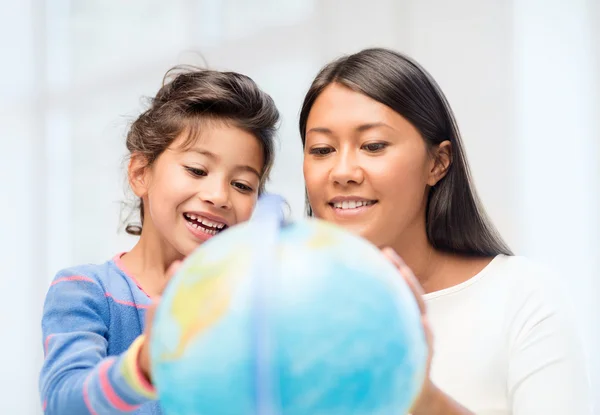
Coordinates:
x,y
196,172
243,187
321,151
375,147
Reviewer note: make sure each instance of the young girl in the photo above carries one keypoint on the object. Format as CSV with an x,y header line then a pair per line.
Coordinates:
x,y
383,157
200,156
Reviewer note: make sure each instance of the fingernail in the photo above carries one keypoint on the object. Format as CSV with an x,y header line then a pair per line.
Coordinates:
x,y
400,260
389,251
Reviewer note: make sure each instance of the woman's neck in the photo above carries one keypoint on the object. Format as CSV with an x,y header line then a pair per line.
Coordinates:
x,y
149,260
436,270
421,257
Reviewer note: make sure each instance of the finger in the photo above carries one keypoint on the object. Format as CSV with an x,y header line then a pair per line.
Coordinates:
x,y
428,332
429,340
173,268
150,313
171,271
408,276
407,273
392,256
417,292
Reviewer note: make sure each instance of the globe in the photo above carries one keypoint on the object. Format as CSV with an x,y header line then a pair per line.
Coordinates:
x,y
287,318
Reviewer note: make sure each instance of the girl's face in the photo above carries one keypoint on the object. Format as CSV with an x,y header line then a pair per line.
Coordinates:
x,y
366,167
191,194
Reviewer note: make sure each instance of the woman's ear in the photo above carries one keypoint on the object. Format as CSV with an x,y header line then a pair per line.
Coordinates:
x,y
138,173
442,159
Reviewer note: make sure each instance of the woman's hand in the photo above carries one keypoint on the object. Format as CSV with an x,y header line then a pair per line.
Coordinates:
x,y
431,400
418,292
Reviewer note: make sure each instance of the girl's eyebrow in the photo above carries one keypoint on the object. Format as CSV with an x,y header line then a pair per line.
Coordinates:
x,y
213,156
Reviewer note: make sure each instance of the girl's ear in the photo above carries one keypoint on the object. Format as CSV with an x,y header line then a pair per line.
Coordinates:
x,y
442,159
138,173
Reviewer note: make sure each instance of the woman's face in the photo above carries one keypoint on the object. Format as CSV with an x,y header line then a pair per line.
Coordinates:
x,y
366,167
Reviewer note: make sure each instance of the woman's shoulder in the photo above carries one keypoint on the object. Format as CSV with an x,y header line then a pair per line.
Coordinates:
x,y
518,285
519,266
526,276
536,292
501,277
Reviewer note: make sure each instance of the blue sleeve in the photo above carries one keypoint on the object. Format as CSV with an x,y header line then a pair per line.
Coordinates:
x,y
77,376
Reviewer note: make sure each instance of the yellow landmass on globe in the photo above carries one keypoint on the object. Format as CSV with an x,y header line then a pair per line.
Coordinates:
x,y
198,306
323,237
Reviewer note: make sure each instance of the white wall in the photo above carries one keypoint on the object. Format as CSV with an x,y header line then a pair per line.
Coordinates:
x,y
556,107
22,251
521,76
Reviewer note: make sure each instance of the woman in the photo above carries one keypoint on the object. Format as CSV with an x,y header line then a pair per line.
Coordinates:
x,y
383,157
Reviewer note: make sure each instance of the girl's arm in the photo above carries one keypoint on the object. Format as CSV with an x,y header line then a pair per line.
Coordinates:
x,y
77,377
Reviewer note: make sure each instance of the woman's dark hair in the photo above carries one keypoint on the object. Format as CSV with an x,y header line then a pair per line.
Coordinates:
x,y
455,220
188,99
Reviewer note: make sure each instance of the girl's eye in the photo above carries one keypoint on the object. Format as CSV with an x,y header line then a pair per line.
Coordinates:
x,y
321,151
243,187
375,147
196,172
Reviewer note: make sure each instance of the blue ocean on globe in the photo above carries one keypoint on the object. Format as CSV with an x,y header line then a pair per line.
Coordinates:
x,y
287,318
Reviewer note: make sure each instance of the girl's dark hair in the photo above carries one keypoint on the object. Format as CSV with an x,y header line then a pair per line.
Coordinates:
x,y
188,99
455,219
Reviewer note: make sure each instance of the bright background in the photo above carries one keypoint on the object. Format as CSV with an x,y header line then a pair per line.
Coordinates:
x,y
522,77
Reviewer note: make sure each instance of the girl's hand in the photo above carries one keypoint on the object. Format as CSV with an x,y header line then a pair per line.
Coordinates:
x,y
144,355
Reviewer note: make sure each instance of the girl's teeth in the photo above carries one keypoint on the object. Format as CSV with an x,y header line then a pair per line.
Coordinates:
x,y
209,231
206,223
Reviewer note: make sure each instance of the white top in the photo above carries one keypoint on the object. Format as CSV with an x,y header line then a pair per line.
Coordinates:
x,y
504,343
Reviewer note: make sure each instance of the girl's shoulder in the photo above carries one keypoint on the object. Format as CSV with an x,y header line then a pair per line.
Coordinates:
x,y
102,287
106,281
102,274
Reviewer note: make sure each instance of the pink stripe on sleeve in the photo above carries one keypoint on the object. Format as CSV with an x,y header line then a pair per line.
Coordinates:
x,y
46,343
128,303
72,278
86,396
119,263
109,392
